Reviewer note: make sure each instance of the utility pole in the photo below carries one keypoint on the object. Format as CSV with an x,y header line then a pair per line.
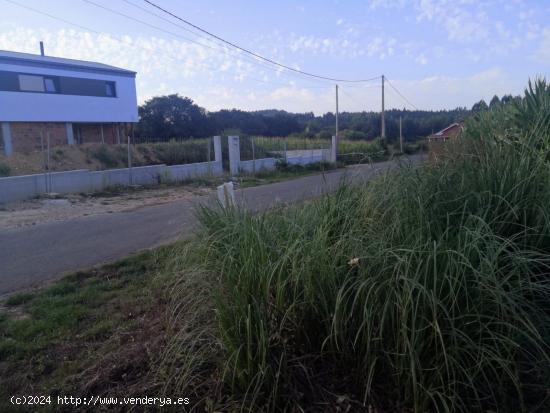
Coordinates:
x,y
400,134
336,112
383,129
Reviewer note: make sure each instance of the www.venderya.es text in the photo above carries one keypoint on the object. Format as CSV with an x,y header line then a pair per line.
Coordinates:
x,y
43,400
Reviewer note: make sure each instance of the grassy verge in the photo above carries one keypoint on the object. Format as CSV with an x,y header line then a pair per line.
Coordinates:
x,y
91,333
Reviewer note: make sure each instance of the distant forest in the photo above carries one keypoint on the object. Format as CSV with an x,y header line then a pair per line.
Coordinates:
x,y
175,116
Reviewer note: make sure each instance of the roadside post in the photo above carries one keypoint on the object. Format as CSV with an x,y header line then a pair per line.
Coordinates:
x,y
226,194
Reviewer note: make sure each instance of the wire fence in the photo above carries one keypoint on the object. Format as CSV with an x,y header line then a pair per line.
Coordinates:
x,y
48,155
259,147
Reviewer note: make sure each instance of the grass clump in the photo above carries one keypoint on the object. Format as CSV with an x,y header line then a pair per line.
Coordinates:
x,y
426,290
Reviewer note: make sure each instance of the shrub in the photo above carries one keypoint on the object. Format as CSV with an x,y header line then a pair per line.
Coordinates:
x,y
353,135
105,155
5,170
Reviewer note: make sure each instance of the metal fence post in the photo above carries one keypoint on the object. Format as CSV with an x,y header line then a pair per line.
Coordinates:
x,y
253,157
129,162
208,156
44,161
49,185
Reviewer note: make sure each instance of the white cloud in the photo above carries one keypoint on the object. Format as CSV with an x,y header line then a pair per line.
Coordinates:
x,y
216,80
153,58
543,51
436,92
461,23
421,60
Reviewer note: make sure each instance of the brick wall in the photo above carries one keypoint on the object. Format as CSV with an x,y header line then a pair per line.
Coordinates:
x,y
91,133
25,136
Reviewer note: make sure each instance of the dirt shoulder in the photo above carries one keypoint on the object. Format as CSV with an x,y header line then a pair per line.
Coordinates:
x,y
66,207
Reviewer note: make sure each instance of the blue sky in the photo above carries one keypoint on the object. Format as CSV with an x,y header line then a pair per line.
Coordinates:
x,y
438,53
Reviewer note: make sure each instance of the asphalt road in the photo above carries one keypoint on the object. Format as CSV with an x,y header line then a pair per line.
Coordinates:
x,y
29,256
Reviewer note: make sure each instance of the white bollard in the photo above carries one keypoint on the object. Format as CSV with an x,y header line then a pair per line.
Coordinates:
x,y
226,194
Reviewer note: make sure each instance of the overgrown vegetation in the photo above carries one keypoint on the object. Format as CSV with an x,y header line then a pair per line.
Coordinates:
x,y
426,290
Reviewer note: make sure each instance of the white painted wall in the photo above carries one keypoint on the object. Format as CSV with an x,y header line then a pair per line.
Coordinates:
x,y
45,107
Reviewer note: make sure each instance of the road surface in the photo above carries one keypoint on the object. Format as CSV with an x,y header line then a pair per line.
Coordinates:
x,y
31,255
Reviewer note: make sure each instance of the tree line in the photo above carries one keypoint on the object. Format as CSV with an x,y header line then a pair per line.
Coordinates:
x,y
176,116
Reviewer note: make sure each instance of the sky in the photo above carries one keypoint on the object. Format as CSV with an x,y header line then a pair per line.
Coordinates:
x,y
440,54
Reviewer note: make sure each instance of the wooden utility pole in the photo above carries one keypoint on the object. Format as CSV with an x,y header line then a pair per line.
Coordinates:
x,y
401,134
383,129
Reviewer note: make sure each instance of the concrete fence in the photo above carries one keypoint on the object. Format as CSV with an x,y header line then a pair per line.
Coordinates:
x,y
293,157
19,188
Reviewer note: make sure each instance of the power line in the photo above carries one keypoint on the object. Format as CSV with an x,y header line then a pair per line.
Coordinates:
x,y
351,97
148,24
400,94
256,54
125,43
52,16
223,49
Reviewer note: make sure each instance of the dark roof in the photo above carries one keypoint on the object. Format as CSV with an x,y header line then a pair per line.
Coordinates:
x,y
29,59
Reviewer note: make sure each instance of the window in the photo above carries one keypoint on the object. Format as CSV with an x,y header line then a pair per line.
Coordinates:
x,y
63,85
110,89
49,85
30,83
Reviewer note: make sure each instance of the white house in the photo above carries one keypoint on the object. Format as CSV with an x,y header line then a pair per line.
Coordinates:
x,y
66,101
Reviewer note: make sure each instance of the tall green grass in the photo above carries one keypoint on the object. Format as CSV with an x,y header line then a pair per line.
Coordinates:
x,y
425,290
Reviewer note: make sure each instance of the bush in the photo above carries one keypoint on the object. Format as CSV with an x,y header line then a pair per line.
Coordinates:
x,y
109,157
425,290
5,170
353,135
410,148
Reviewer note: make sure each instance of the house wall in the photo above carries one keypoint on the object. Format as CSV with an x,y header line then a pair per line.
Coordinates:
x,y
91,133
49,107
26,136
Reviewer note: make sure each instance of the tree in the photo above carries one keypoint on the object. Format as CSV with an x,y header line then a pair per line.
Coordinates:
x,y
173,116
480,106
506,99
494,103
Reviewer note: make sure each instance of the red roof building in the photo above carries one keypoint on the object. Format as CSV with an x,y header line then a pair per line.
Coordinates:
x,y
449,132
